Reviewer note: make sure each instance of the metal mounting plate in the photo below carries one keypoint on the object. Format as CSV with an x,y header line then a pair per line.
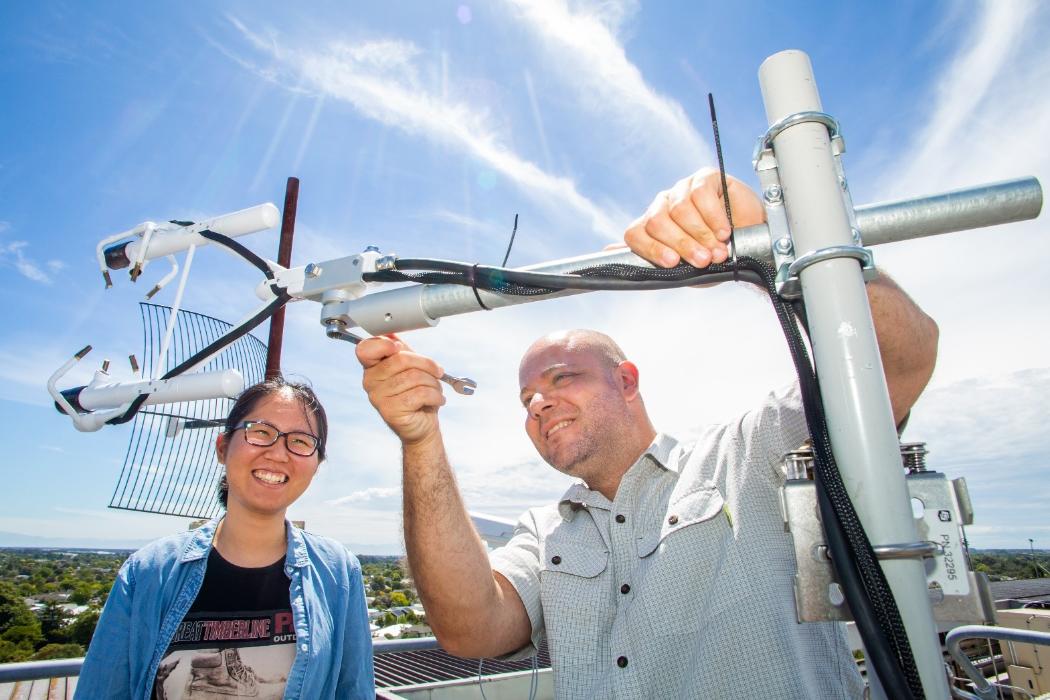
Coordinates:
x,y
955,593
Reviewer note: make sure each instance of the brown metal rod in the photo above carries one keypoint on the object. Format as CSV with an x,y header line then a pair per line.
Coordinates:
x,y
284,259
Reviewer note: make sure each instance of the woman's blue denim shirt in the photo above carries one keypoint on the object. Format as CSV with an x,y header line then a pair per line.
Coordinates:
x,y
158,584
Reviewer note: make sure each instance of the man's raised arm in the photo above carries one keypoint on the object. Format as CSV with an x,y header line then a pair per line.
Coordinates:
x,y
689,222
473,611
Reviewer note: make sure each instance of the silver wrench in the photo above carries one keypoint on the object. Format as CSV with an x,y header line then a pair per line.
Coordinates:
x,y
461,385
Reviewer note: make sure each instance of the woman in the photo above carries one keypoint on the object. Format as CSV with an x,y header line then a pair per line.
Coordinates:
x,y
246,605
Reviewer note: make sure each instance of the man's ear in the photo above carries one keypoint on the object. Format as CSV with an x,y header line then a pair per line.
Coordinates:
x,y
220,448
628,375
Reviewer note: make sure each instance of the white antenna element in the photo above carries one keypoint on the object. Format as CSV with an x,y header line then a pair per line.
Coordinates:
x,y
155,240
103,399
103,393
162,356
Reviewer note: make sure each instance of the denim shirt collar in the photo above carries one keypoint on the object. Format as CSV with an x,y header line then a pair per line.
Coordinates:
x,y
199,544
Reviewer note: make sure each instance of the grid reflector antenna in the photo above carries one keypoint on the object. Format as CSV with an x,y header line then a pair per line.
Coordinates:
x,y
170,467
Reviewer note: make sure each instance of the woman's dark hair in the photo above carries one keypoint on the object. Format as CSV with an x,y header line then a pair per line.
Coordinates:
x,y
251,397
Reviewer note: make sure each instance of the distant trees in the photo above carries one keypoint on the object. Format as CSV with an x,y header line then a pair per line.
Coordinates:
x,y
57,651
1011,564
20,632
51,580
53,619
83,628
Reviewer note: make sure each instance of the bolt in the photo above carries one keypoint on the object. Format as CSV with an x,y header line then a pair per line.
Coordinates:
x,y
842,183
856,235
773,194
783,246
312,270
913,455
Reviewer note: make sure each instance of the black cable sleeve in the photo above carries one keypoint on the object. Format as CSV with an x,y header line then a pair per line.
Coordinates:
x,y
239,248
863,582
608,277
246,253
862,578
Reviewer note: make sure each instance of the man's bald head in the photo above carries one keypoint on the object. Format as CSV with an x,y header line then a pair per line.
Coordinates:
x,y
579,340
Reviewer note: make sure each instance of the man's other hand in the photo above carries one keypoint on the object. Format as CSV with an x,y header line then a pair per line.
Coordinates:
x,y
688,222
403,386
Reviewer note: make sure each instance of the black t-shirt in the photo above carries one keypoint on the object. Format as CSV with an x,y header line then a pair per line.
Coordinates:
x,y
237,640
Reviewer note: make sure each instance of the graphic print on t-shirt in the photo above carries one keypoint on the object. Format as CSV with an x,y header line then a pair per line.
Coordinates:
x,y
228,655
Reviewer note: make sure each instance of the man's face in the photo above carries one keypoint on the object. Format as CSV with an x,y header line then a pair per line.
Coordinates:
x,y
574,404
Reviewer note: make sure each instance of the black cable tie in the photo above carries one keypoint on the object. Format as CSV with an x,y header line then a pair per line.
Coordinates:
x,y
472,277
725,185
511,244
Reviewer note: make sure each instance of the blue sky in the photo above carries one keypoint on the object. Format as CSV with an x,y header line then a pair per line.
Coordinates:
x,y
423,128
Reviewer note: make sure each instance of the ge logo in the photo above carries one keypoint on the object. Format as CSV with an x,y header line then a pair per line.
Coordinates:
x,y
945,516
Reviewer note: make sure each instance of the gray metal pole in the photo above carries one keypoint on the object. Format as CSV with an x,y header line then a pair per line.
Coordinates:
x,y
847,358
959,210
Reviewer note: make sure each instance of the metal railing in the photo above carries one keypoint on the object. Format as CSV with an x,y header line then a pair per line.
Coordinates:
x,y
63,668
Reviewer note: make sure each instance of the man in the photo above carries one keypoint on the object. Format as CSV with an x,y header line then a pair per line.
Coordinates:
x,y
666,573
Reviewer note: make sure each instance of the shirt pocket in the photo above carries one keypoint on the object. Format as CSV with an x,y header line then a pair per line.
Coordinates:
x,y
575,594
688,511
685,563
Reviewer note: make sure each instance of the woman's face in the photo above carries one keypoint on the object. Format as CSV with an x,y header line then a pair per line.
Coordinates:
x,y
266,480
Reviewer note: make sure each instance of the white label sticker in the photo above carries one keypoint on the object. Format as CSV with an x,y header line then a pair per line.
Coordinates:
x,y
949,567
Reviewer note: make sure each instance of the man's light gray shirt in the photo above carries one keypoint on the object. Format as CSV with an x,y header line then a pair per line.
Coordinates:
x,y
682,586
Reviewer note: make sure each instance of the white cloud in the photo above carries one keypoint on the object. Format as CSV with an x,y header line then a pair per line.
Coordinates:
x,y
12,255
372,494
380,79
988,108
973,94
581,41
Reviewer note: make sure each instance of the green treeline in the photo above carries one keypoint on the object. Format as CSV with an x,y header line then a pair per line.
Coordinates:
x,y
1007,564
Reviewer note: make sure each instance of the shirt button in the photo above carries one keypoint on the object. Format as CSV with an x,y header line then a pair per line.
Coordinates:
x,y
622,662
620,518
304,647
625,589
555,560
672,520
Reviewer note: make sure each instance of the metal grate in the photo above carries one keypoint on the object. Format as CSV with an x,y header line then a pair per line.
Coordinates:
x,y
403,668
170,466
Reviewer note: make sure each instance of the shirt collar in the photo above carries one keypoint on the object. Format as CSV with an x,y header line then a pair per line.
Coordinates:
x,y
663,452
200,542
297,555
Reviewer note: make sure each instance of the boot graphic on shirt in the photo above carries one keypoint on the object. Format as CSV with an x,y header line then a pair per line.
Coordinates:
x,y
221,673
